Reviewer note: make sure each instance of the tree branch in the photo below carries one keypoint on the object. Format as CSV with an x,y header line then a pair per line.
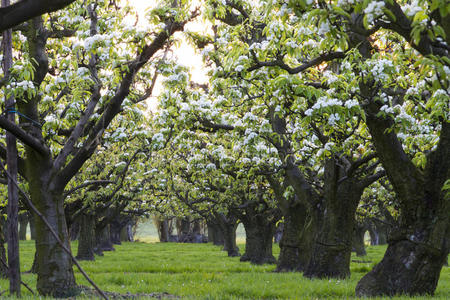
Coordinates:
x,y
281,64
24,10
24,136
114,106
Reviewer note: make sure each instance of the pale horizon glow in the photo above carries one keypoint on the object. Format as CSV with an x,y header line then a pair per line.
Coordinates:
x,y
184,54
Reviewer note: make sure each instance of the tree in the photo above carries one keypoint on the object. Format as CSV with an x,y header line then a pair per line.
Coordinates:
x,y
409,127
69,97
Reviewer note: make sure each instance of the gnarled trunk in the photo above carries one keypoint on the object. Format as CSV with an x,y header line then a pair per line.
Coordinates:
x,y
297,240
86,240
54,265
408,267
333,246
259,230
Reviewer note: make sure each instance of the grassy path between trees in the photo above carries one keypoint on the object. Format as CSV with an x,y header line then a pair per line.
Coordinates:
x,y
204,272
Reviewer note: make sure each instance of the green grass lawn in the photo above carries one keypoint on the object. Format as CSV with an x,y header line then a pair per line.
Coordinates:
x,y
204,272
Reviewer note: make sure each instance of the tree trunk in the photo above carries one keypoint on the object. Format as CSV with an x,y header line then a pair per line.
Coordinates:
x,y
12,164
74,231
115,229
278,233
297,240
34,268
54,265
103,239
228,225
3,269
408,267
215,234
196,227
23,223
333,246
259,232
229,240
86,240
126,234
163,230
378,233
358,239
32,226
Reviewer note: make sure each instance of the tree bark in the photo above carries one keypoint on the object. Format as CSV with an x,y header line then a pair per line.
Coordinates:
x,y
103,239
163,230
259,232
54,265
86,240
115,229
297,240
3,269
23,223
74,230
418,249
229,239
358,239
215,235
126,234
332,248
24,10
228,225
12,163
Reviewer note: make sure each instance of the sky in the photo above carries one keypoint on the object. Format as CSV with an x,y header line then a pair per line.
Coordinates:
x,y
185,53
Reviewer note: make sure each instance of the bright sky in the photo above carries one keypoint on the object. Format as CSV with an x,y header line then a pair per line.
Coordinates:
x,y
185,53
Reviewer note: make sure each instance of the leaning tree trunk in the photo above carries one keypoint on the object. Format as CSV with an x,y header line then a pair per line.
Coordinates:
x,y
259,232
86,239
297,239
333,246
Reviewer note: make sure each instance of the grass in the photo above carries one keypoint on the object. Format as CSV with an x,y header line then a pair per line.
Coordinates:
x,y
202,271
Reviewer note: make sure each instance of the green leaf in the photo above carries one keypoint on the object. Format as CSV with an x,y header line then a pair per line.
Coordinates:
x,y
342,12
390,14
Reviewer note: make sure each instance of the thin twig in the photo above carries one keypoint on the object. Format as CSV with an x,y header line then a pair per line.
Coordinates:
x,y
55,235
